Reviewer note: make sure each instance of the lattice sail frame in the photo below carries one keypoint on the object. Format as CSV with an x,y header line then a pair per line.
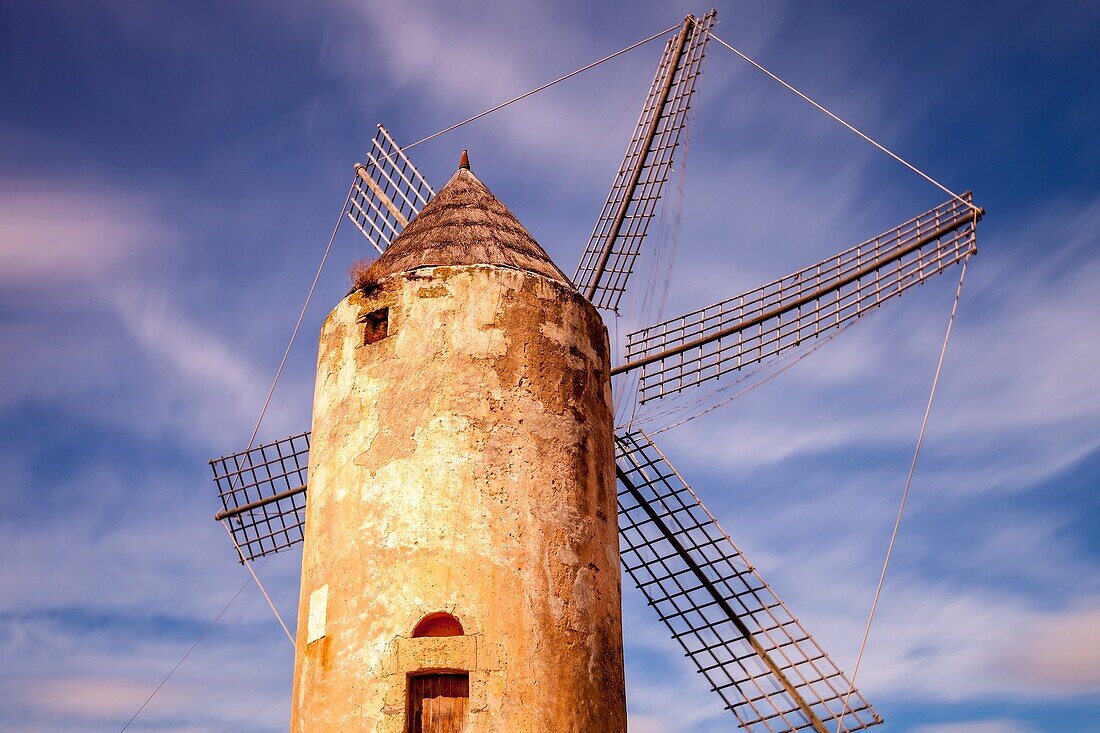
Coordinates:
x,y
387,192
754,653
617,238
707,343
263,495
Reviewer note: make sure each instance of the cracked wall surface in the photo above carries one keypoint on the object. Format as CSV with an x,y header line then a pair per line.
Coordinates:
x,y
463,463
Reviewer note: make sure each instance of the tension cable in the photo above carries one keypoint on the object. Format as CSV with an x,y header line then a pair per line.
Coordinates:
x,y
905,492
850,126
547,85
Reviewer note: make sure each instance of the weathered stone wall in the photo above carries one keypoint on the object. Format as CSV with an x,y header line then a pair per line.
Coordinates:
x,y
463,463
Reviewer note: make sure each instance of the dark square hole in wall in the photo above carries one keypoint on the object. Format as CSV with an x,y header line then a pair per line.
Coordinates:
x,y
376,325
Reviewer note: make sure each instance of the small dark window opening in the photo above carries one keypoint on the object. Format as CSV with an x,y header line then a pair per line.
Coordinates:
x,y
438,624
376,325
438,703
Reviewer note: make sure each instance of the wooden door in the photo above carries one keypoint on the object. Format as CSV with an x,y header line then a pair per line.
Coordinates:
x,y
438,703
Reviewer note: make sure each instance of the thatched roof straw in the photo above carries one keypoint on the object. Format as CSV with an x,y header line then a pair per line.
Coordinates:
x,y
465,224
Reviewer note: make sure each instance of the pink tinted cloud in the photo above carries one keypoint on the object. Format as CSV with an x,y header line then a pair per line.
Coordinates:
x,y
57,232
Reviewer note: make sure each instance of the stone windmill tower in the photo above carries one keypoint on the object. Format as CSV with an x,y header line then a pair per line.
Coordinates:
x,y
463,546
471,490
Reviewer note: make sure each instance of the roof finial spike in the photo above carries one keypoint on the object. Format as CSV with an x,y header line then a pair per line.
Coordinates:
x,y
464,161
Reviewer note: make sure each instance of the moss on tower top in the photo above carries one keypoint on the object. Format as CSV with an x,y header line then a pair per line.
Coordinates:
x,y
465,224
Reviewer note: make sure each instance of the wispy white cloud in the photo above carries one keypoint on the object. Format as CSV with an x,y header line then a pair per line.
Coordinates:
x,y
61,232
443,66
1018,404
108,690
937,643
977,726
93,697
86,263
121,599
1060,651
932,642
1018,401
464,64
205,386
1019,373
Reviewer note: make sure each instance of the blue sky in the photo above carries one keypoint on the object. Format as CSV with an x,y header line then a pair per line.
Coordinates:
x,y
169,175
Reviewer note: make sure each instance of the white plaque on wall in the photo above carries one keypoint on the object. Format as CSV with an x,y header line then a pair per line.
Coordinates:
x,y
318,610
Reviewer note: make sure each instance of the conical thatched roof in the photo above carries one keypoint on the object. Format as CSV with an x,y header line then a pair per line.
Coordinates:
x,y
465,224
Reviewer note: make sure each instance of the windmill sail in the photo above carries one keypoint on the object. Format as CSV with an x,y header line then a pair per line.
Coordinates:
x,y
754,653
387,193
616,241
708,343
263,495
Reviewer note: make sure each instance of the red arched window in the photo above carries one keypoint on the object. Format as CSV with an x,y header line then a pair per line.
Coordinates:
x,y
438,624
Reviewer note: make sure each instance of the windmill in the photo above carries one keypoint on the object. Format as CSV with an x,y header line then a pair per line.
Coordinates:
x,y
751,650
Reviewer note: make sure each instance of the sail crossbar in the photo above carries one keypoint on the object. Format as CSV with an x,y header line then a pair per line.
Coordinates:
x,y
624,220
753,652
387,192
732,334
263,495
742,638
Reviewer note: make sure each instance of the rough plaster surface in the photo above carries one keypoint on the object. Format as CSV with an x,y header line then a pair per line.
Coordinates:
x,y
464,463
